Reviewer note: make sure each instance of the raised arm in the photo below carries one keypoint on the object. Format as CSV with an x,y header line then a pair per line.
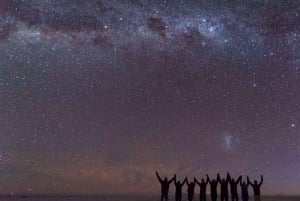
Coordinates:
x,y
239,180
261,180
158,177
196,181
175,180
172,179
228,178
218,178
249,182
183,182
207,178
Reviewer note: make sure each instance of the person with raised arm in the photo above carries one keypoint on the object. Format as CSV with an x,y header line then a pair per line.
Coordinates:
x,y
233,187
224,187
202,185
190,189
256,187
164,186
213,188
178,186
244,190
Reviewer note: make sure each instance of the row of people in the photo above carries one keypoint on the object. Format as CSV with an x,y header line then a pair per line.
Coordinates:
x,y
213,188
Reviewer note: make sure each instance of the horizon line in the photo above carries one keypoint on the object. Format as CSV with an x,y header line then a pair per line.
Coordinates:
x,y
123,194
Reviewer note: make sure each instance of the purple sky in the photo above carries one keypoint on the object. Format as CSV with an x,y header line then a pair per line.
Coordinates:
x,y
97,95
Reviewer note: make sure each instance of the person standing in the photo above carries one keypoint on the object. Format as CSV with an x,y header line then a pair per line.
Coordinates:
x,y
202,185
244,190
164,186
233,188
190,190
213,189
178,185
224,187
256,187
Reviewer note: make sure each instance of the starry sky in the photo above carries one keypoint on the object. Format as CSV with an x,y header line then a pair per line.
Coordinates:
x,y
97,95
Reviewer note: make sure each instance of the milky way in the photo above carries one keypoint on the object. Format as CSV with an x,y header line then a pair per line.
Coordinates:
x,y
95,96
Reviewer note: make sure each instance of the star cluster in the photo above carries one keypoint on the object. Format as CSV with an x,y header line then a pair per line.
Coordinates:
x,y
97,95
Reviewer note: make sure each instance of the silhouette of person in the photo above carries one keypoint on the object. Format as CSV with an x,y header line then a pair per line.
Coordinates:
x,y
244,190
224,187
233,187
256,187
190,190
178,186
164,186
213,189
202,185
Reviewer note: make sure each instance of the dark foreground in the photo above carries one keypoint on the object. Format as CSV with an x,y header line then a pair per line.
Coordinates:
x,y
128,198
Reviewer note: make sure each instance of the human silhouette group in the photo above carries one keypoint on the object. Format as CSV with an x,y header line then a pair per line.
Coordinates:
x,y
224,182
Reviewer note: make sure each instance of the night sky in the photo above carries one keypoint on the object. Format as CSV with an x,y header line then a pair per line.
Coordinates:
x,y
97,95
